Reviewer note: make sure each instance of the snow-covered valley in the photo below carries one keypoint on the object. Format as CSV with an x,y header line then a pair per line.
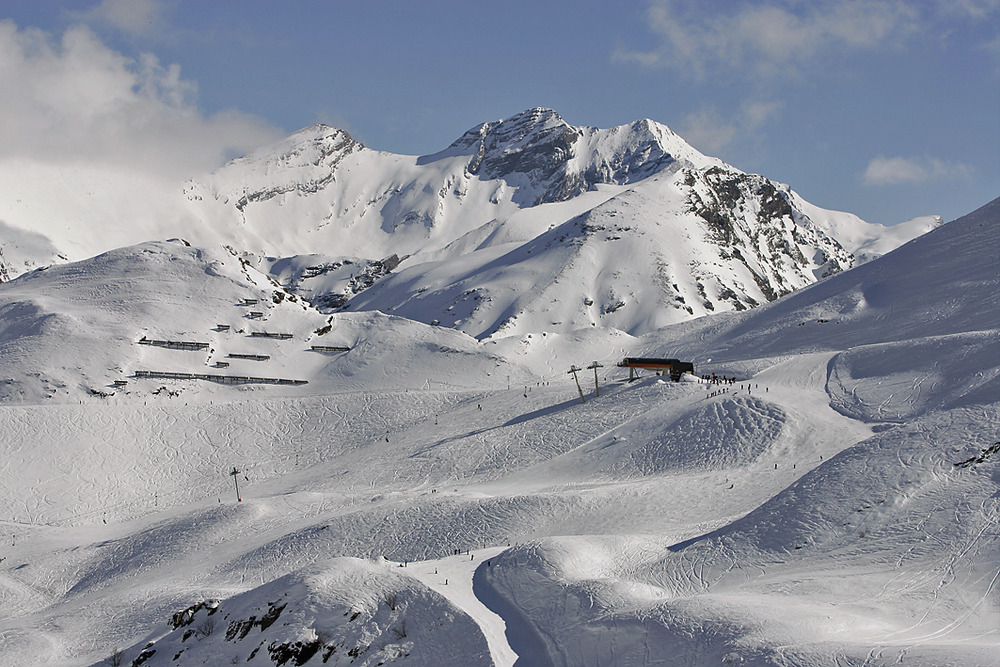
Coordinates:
x,y
439,494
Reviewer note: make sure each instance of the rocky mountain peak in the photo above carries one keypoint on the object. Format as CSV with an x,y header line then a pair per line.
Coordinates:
x,y
304,162
317,145
532,127
549,160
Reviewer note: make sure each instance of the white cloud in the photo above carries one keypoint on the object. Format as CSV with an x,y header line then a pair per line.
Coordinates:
x,y
901,170
134,17
757,113
710,132
974,9
74,99
768,38
707,131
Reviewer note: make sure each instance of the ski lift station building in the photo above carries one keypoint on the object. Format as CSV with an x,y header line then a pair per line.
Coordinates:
x,y
675,367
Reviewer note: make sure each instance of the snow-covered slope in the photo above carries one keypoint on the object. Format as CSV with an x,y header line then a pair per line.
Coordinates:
x,y
946,282
676,246
885,554
68,333
347,611
427,497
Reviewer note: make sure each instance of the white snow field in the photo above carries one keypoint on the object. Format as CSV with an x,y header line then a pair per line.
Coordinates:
x,y
197,467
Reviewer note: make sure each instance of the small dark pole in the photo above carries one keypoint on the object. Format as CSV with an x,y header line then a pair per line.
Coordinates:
x,y
574,370
595,366
234,472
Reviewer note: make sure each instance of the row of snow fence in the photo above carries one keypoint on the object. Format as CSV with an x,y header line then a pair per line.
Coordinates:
x,y
235,379
175,344
329,348
251,357
265,334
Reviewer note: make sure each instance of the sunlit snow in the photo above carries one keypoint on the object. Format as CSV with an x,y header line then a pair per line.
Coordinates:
x,y
438,494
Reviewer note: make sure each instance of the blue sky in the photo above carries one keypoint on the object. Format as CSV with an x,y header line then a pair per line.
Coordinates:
x,y
886,109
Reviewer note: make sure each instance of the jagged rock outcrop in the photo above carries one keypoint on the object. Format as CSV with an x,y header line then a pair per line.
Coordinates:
x,y
548,160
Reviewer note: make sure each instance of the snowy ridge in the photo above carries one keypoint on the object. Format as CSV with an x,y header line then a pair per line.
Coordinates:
x,y
661,252
557,161
370,614
72,331
876,302
452,220
318,200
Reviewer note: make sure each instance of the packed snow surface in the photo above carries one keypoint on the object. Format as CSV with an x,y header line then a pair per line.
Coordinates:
x,y
367,488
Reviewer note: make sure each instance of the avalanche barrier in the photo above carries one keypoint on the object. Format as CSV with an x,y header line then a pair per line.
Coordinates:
x,y
235,379
174,344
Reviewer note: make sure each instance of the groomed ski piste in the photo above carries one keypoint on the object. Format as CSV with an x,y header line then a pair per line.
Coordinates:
x,y
429,499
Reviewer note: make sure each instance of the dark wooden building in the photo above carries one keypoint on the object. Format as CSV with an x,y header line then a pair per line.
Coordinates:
x,y
675,367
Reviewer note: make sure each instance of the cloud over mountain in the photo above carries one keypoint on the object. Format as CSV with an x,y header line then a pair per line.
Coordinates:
x,y
895,170
73,98
776,39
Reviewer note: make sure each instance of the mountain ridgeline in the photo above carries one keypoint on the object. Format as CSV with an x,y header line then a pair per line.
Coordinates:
x,y
532,224
559,161
522,224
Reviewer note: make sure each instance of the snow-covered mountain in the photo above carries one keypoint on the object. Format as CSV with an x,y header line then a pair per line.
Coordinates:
x,y
226,455
547,160
333,195
676,246
650,231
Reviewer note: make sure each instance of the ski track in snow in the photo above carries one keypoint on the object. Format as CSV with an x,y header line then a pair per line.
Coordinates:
x,y
452,577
